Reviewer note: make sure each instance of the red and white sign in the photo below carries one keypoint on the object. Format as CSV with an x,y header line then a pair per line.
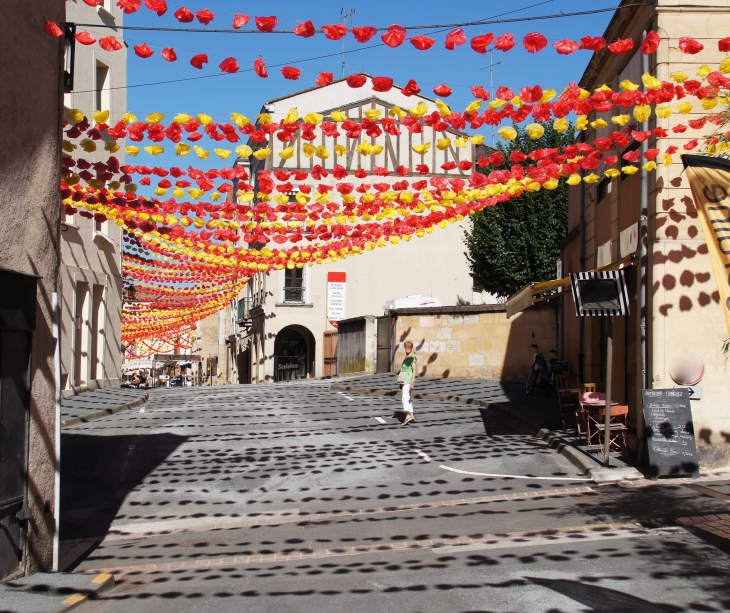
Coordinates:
x,y
336,283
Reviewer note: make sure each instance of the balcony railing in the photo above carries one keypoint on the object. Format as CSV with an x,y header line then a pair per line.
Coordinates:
x,y
244,306
294,294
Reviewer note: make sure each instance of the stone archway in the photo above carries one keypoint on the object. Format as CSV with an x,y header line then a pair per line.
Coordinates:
x,y
294,350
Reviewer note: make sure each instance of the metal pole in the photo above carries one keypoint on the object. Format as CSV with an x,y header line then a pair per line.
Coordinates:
x,y
57,435
609,369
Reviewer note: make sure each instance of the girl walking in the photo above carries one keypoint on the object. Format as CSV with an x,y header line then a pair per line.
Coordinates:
x,y
408,368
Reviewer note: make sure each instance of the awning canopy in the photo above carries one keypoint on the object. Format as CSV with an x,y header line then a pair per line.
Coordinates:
x,y
140,365
525,298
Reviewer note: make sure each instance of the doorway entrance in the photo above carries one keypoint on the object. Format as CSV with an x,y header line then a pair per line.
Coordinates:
x,y
293,354
17,322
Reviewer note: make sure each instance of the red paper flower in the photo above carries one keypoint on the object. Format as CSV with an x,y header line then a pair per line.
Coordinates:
x,y
516,157
724,44
382,84
496,159
422,42
336,31
442,90
109,43
504,42
85,38
356,80
168,53
449,165
395,36
621,46
158,6
129,6
566,46
143,50
291,73
534,42
650,43
481,42
324,78
592,43
422,168
411,88
259,67
305,30
183,15
478,91
690,145
504,93
465,165
364,34
531,94
690,46
197,61
205,16
52,29
266,24
240,20
455,38
94,2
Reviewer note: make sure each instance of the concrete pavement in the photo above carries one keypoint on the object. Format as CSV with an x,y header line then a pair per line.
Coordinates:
x,y
297,497
100,403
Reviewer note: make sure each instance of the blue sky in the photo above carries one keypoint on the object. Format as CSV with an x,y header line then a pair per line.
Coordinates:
x,y
244,92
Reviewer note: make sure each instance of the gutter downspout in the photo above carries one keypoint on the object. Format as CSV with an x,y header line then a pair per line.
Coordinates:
x,y
581,320
643,269
57,442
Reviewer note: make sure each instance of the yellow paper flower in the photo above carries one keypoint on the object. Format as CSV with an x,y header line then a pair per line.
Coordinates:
x,y
287,154
551,184
372,114
129,118
679,77
581,123
704,70
667,160
155,118
181,118
422,149
101,116
262,154
75,115
649,166
460,142
612,172
598,123
243,151
684,107
340,150
264,119
534,130
507,133
338,116
642,112
477,139
591,178
663,111
203,119
377,149
182,149
68,146
321,152
630,170
419,110
396,111
708,103
154,149
222,153
132,150
561,125
201,153
650,82
308,150
313,118
240,120
442,144
442,107
111,147
621,120
87,145
473,106
547,95
725,65
495,105
628,86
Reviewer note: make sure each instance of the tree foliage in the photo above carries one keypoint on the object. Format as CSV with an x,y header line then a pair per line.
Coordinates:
x,y
518,241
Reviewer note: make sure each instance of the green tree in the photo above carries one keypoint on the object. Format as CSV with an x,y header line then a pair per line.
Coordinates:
x,y
518,241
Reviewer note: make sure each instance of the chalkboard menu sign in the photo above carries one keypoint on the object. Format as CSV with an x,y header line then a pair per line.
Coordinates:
x,y
670,436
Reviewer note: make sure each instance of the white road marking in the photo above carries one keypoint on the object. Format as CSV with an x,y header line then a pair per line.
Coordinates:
x,y
467,472
346,396
381,420
423,455
141,410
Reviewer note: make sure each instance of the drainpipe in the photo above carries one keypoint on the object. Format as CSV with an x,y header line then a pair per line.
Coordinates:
x,y
581,320
57,443
643,270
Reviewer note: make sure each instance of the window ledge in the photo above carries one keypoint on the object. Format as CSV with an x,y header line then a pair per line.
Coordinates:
x,y
296,305
100,10
69,225
104,237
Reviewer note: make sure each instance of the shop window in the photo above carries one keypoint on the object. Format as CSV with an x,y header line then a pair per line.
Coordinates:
x,y
294,285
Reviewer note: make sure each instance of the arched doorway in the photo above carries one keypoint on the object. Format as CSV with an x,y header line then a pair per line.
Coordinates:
x,y
293,354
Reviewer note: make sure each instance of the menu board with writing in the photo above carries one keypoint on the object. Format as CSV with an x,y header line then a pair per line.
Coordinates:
x,y
670,436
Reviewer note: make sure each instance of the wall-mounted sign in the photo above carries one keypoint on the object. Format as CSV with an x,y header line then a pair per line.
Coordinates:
x,y
601,293
336,285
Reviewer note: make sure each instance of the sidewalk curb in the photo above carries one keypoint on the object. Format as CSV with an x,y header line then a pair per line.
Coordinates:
x,y
597,472
82,419
98,585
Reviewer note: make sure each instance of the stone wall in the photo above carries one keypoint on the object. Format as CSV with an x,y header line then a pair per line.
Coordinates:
x,y
474,342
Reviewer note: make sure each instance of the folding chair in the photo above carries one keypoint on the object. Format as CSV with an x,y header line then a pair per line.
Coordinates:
x,y
594,414
568,393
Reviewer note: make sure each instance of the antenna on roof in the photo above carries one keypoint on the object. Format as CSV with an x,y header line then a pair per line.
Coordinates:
x,y
491,66
346,16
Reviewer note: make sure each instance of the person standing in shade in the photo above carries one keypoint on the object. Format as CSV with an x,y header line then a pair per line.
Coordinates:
x,y
409,368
